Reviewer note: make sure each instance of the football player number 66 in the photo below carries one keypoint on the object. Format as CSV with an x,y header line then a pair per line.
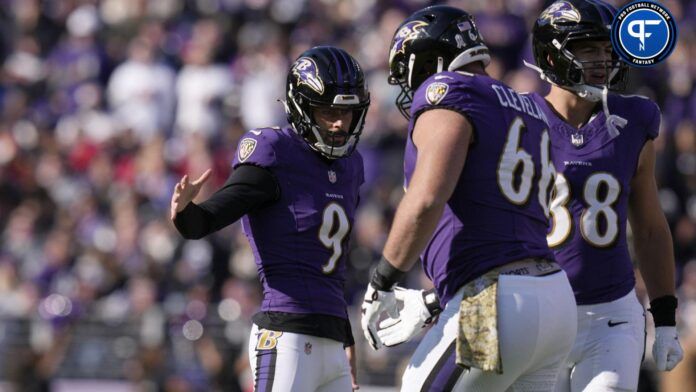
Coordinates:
x,y
515,160
331,237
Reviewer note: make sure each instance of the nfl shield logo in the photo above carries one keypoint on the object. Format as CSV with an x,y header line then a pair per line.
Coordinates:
x,y
246,148
577,139
332,176
308,348
435,92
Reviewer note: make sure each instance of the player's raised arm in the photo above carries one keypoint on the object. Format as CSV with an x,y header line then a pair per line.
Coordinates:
x,y
247,188
185,191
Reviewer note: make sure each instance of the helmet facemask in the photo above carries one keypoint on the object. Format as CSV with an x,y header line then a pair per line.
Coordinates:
x,y
566,23
408,76
300,110
564,69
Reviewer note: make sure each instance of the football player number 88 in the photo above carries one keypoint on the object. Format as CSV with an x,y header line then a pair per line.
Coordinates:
x,y
599,206
331,237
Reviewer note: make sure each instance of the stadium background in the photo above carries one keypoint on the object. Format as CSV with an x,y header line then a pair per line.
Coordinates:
x,y
106,104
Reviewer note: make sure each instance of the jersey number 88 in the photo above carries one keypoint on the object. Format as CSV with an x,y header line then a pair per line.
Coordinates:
x,y
599,206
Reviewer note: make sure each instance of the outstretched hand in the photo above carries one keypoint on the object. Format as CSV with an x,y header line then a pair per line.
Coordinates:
x,y
185,192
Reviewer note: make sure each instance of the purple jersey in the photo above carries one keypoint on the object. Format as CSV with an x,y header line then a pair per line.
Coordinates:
x,y
589,211
300,242
496,214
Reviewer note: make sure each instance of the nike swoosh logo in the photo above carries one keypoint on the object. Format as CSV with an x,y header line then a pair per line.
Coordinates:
x,y
438,77
610,324
255,132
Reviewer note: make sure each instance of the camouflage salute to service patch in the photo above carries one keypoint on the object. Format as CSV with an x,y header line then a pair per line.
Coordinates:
x,y
477,335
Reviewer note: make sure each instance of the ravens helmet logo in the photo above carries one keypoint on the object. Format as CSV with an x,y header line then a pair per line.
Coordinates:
x,y
307,73
561,11
408,32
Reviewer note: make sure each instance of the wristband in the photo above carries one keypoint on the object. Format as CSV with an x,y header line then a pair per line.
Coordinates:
x,y
385,276
432,303
663,310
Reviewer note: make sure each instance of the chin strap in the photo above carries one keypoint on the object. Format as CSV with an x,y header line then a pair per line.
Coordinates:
x,y
613,121
540,71
591,93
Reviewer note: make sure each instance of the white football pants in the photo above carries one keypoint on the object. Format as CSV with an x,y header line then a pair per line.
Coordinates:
x,y
290,362
536,329
608,349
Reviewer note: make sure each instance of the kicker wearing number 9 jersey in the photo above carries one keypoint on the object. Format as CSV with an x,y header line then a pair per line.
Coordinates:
x,y
478,176
296,189
300,245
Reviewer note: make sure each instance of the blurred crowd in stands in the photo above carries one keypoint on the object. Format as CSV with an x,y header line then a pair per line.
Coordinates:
x,y
104,105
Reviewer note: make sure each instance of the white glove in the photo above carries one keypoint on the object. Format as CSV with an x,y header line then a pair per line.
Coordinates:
x,y
666,350
374,304
413,317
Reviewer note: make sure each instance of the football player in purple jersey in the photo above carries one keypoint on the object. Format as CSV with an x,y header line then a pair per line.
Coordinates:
x,y
296,190
603,152
478,176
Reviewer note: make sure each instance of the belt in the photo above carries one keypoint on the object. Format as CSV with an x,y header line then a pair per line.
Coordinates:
x,y
529,267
